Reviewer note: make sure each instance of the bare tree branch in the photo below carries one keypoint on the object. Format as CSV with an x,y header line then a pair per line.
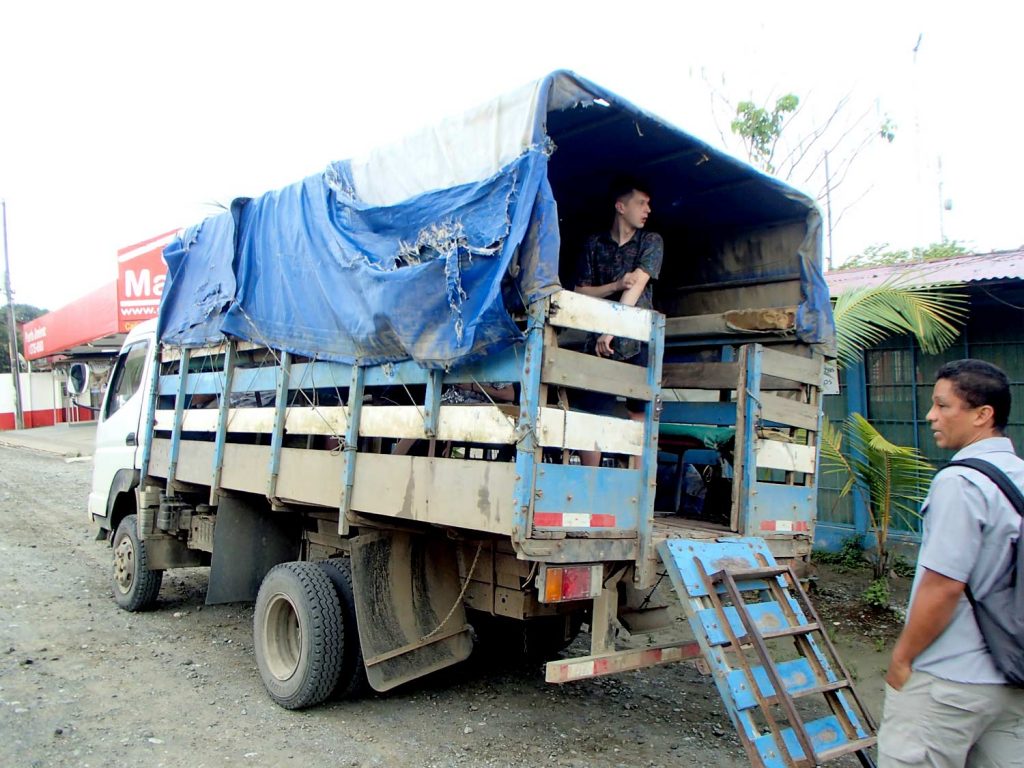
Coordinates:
x,y
805,144
839,218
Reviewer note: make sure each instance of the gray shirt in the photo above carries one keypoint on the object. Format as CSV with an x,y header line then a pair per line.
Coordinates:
x,y
969,527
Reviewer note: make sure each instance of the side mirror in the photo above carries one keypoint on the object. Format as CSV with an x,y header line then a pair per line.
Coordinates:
x,y
78,378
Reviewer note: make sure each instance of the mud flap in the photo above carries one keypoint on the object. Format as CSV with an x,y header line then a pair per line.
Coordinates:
x,y
405,586
248,540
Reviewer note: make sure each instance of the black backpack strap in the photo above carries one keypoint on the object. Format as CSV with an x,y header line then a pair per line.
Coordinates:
x,y
1003,483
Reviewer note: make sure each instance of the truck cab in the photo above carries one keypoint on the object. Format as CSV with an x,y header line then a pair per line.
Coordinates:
x,y
122,418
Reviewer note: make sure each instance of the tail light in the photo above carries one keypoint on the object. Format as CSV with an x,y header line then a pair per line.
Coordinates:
x,y
561,583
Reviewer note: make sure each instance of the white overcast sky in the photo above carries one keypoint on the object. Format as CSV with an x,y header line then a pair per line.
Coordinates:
x,y
122,120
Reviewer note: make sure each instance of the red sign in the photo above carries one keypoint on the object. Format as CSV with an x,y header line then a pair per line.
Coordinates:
x,y
89,318
141,272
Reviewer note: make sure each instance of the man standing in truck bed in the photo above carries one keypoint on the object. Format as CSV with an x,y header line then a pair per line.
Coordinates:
x,y
621,265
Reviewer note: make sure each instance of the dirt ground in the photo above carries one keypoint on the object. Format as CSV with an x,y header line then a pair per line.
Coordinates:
x,y
83,683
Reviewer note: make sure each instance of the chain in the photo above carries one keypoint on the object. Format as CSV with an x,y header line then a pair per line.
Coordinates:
x,y
458,600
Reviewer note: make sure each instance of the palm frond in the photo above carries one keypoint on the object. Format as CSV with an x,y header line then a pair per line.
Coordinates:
x,y
896,477
865,316
833,460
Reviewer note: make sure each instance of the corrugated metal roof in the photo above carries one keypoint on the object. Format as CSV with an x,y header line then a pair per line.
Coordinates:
x,y
998,265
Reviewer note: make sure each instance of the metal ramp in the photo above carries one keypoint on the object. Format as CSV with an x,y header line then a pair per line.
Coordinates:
x,y
793,703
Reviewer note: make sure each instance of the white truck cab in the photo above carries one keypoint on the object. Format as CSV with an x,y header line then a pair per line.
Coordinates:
x,y
117,453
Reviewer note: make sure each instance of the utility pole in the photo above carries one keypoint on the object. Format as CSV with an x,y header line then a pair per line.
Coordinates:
x,y
828,210
12,330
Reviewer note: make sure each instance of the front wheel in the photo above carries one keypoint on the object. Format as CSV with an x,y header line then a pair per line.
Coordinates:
x,y
297,634
135,587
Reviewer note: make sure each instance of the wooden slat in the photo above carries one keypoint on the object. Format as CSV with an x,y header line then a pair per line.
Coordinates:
x,y
566,368
783,411
589,432
771,454
169,354
585,313
322,420
771,320
478,495
695,325
786,366
462,423
714,376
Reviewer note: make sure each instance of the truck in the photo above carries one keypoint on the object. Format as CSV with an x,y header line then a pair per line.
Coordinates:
x,y
356,409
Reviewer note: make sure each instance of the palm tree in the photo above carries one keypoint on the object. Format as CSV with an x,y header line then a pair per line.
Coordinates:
x,y
891,479
867,315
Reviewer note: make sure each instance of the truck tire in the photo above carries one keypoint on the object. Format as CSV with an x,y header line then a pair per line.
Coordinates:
x,y
297,634
352,680
135,587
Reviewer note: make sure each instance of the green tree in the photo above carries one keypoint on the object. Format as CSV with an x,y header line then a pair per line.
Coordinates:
x,y
22,314
891,479
814,152
761,129
882,255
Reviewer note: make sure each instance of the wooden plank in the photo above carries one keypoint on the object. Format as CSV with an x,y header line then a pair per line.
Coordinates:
x,y
806,370
770,321
700,375
589,432
477,495
564,671
714,376
785,411
566,368
321,420
461,423
169,354
772,454
585,313
695,325
577,431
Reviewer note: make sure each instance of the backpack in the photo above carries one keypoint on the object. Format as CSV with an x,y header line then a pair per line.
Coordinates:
x,y
1000,614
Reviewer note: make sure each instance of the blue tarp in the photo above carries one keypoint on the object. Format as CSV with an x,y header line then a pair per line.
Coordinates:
x,y
316,270
312,270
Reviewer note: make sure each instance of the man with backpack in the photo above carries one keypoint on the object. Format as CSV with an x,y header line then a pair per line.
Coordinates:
x,y
950,697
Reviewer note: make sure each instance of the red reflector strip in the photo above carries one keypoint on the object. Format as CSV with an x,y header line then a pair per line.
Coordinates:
x,y
785,526
618,661
572,520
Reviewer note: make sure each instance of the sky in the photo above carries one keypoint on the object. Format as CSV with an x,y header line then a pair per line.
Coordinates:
x,y
123,120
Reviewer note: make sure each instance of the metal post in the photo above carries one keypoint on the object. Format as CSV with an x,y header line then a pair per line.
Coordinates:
x,y
828,209
12,331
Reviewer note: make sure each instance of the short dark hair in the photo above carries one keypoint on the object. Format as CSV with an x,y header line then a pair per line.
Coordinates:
x,y
623,186
979,383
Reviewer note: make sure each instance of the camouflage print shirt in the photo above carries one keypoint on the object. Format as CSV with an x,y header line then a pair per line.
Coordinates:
x,y
605,261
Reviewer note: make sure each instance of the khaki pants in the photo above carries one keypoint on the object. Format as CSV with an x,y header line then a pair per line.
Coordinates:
x,y
941,724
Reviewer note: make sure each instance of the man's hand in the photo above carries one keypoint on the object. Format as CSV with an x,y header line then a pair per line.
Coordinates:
x,y
627,281
604,345
898,674
935,599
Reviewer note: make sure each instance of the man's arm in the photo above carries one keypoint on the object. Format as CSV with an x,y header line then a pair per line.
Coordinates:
x,y
934,602
638,280
606,290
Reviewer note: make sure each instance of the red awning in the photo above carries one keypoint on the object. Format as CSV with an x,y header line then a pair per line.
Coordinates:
x,y
83,322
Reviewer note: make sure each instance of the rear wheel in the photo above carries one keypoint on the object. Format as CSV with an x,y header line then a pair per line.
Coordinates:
x,y
298,634
135,587
352,680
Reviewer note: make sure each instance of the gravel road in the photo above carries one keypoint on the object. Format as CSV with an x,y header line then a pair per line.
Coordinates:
x,y
83,683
